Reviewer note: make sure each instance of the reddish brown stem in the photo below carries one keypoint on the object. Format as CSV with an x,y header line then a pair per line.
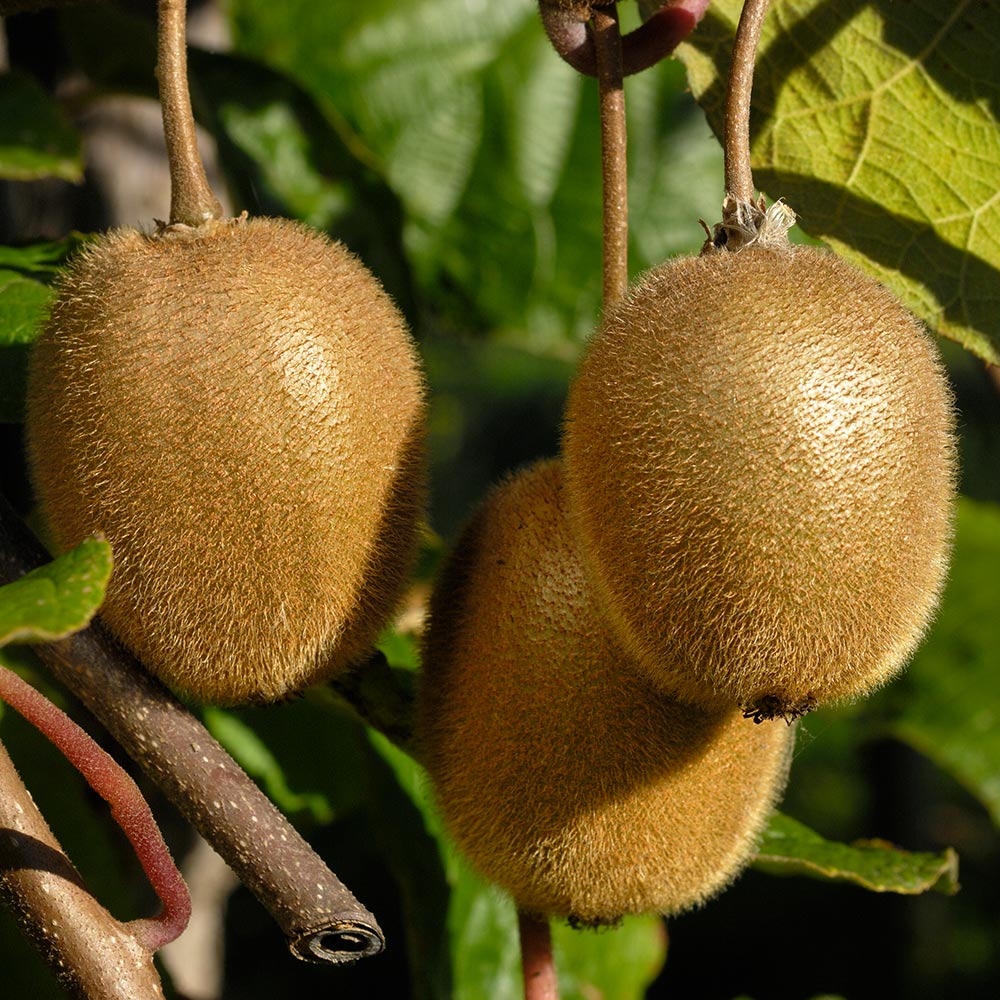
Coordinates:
x,y
537,963
736,142
643,47
607,44
192,201
128,808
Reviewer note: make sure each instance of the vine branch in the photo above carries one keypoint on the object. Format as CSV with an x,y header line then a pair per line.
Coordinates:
x,y
658,36
128,808
94,956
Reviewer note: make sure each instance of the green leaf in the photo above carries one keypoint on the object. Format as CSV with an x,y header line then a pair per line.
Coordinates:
x,y
401,649
57,599
24,306
41,258
36,139
299,751
790,848
947,704
485,950
619,962
411,853
877,122
283,157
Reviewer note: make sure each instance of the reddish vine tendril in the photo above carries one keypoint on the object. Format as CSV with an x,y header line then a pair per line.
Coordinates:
x,y
567,26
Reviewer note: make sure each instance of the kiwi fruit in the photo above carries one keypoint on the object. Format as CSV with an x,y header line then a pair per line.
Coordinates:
x,y
238,407
760,462
566,777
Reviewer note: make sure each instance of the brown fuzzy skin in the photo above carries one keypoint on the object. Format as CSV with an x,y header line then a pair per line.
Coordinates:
x,y
761,461
239,409
565,776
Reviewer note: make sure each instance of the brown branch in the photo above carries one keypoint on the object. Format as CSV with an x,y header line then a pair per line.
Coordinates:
x,y
653,40
322,921
192,201
614,176
94,956
537,963
736,142
128,808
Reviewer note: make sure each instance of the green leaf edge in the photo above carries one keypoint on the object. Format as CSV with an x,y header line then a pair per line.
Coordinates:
x,y
941,875
83,572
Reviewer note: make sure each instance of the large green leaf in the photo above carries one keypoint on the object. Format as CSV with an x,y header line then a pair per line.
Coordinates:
x,y
36,139
298,752
621,962
58,598
40,258
790,848
411,852
877,121
616,962
947,704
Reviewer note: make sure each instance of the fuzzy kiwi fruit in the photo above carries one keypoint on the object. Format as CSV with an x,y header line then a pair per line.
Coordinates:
x,y
237,407
564,776
761,466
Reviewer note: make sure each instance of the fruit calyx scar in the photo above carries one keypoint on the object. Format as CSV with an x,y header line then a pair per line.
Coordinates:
x,y
746,223
772,707
183,229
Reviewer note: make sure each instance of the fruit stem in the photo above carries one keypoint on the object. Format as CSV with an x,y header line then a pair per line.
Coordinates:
x,y
608,50
128,808
192,201
736,143
537,963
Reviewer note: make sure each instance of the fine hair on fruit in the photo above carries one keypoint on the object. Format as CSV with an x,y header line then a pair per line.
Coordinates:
x,y
760,462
